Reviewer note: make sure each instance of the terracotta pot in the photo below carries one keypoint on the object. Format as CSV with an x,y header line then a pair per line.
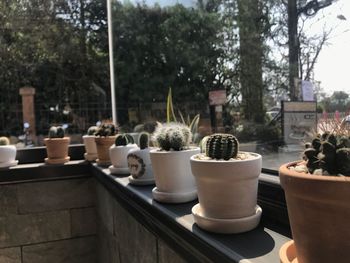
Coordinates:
x,y
319,213
57,150
172,172
227,190
90,147
102,145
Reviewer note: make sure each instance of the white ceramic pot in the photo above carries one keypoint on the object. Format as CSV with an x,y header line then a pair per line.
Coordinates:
x,y
90,147
140,167
227,191
172,172
118,156
7,156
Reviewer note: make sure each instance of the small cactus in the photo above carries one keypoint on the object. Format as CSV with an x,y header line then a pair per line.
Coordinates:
x,y
143,140
106,129
173,136
92,130
56,132
4,141
328,152
221,146
124,139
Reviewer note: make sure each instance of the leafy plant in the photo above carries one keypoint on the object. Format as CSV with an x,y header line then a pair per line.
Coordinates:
x,y
329,152
221,146
124,139
171,117
56,132
4,141
172,136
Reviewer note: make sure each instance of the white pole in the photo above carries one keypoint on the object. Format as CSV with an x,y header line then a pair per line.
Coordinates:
x,y
111,62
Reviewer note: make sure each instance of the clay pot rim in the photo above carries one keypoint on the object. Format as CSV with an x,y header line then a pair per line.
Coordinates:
x,y
8,146
256,157
57,139
285,171
158,151
129,145
89,136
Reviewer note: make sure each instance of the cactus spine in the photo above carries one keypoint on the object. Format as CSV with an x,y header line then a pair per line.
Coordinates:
x,y
4,141
143,140
56,132
221,146
124,139
173,136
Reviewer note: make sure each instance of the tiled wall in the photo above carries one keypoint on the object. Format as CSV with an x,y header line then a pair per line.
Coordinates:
x,y
52,221
122,239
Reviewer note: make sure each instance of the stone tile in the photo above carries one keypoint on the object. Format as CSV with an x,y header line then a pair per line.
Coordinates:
x,y
136,243
78,250
18,230
83,221
10,255
107,248
8,200
105,207
167,255
56,195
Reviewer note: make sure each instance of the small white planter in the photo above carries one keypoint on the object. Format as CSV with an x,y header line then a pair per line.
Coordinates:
x,y
172,172
8,156
118,156
227,193
90,148
140,167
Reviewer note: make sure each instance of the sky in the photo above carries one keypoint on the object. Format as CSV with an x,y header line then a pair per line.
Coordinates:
x,y
332,67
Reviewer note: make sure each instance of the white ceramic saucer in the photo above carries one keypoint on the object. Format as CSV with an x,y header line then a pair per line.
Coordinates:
x,y
8,164
90,157
57,161
226,226
141,181
119,170
173,197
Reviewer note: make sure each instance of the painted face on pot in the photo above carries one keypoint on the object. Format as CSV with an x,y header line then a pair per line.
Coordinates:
x,y
136,166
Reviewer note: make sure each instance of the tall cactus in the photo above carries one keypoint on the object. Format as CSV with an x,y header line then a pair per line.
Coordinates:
x,y
222,146
329,152
143,140
124,139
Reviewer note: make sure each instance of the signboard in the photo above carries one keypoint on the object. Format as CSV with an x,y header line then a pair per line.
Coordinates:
x,y
307,88
299,119
217,97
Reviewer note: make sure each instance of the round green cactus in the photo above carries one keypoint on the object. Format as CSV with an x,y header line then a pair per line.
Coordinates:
x,y
173,136
124,139
92,130
4,141
106,129
221,146
143,140
56,132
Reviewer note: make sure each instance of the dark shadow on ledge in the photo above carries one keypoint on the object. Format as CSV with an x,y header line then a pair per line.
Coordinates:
x,y
248,245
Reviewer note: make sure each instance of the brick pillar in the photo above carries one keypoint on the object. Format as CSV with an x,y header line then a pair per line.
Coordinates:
x,y
27,94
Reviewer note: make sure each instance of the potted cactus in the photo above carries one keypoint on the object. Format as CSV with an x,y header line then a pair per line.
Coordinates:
x,y
7,153
171,164
105,138
317,192
119,152
227,183
139,162
57,146
90,144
